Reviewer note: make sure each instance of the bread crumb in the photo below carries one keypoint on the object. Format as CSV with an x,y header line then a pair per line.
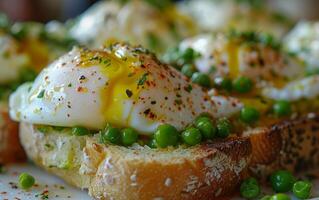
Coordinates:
x,y
133,178
108,164
108,179
192,185
168,182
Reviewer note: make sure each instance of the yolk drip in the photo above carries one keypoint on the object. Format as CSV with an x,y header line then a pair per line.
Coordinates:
x,y
121,87
233,63
37,51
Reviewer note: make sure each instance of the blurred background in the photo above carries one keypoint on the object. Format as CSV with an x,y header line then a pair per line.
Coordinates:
x,y
46,10
43,10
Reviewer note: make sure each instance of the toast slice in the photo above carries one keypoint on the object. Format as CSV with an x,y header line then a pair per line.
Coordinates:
x,y
10,147
204,171
291,144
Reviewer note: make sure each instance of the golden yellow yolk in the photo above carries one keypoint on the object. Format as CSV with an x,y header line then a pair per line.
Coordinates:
x,y
37,51
123,74
172,13
233,62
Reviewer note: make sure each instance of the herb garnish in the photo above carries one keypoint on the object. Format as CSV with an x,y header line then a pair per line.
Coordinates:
x,y
41,94
142,80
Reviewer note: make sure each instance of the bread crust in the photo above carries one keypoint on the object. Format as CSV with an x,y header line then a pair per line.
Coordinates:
x,y
290,144
10,147
112,172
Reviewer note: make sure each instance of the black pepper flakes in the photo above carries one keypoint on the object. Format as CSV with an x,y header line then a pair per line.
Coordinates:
x,y
129,93
147,111
82,77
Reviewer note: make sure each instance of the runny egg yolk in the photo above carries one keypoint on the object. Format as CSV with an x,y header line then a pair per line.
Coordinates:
x,y
233,63
123,74
37,51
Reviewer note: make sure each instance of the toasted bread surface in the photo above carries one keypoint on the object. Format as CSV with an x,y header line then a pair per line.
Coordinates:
x,y
292,144
10,147
113,172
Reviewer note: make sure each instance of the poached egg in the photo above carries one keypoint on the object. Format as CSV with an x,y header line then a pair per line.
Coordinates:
x,y
136,22
125,86
233,58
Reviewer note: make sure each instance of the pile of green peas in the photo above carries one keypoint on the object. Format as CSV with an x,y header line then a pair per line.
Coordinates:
x,y
165,135
282,181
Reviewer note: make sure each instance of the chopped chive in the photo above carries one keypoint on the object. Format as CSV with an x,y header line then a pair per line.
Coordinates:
x,y
142,80
41,94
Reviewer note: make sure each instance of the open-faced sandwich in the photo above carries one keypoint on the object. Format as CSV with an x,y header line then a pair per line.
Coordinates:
x,y
154,24
124,125
118,122
279,96
24,49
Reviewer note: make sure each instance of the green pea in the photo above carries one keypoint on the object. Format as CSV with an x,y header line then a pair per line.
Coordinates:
x,y
302,189
188,55
250,188
111,134
188,70
224,84
166,135
280,197
282,181
242,85
282,108
129,136
201,79
206,127
19,30
267,197
191,136
223,128
249,114
26,181
80,131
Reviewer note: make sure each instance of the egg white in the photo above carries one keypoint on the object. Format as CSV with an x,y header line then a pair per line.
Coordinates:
x,y
303,40
306,88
